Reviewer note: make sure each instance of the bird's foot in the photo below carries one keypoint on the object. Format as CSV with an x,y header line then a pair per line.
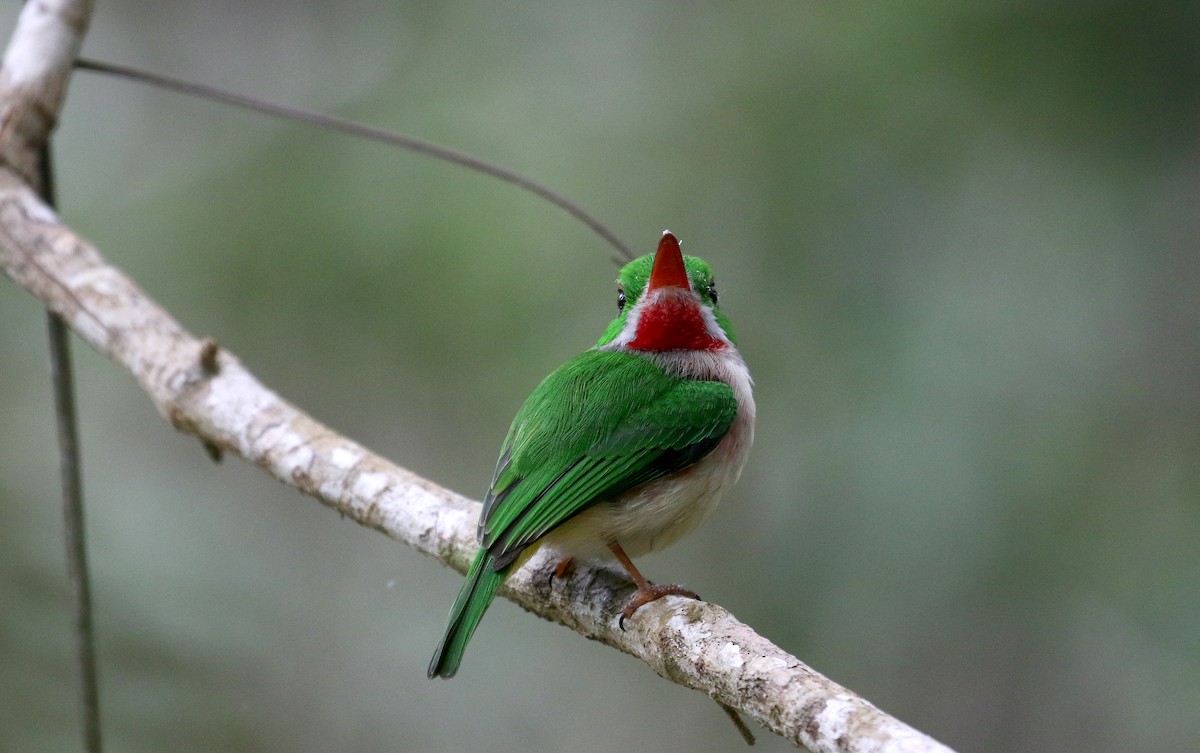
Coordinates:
x,y
648,592
562,569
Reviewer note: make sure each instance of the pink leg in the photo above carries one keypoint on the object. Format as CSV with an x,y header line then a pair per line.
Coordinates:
x,y
646,591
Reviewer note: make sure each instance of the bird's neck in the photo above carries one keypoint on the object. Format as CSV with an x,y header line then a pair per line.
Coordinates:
x,y
673,319
670,320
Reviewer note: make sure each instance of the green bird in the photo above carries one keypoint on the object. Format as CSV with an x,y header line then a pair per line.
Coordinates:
x,y
621,450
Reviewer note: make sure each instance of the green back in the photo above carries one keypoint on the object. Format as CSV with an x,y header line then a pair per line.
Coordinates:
x,y
602,423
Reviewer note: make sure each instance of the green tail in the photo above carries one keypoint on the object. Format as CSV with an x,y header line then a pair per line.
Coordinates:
x,y
473,600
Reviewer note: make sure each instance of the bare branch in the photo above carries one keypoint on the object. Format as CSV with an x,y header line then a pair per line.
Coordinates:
x,y
696,644
33,83
204,390
33,80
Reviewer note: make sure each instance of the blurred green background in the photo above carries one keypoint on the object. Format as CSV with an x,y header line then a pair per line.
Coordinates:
x,y
959,247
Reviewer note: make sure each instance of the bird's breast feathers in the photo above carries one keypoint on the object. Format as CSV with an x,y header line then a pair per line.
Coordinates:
x,y
656,514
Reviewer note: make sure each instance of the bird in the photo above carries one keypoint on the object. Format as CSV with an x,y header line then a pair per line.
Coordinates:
x,y
624,448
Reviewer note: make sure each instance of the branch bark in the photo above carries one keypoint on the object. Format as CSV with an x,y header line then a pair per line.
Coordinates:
x,y
205,391
31,73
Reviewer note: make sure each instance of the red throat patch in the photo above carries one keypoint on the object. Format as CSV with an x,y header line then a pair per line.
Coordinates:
x,y
674,322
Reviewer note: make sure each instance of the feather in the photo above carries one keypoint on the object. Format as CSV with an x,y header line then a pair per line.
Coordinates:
x,y
473,600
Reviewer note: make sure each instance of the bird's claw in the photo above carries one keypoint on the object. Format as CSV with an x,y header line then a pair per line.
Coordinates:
x,y
652,593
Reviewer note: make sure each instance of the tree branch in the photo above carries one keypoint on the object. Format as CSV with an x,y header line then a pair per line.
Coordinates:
x,y
207,392
204,390
33,81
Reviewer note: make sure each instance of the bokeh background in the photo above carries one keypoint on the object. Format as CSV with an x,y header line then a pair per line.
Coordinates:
x,y
959,246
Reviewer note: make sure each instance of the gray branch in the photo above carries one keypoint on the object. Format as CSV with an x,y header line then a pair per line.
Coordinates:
x,y
204,390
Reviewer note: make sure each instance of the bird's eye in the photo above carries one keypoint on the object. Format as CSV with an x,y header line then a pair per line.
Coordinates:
x,y
712,291
620,300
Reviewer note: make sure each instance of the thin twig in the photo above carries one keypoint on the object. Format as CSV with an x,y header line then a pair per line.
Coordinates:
x,y
73,531
74,537
360,130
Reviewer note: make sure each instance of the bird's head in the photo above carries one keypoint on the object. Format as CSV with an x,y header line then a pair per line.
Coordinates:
x,y
667,301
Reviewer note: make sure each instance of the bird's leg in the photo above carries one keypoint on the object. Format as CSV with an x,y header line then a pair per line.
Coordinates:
x,y
562,568
646,591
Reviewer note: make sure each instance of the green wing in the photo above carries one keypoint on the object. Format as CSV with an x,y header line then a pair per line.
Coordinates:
x,y
601,424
